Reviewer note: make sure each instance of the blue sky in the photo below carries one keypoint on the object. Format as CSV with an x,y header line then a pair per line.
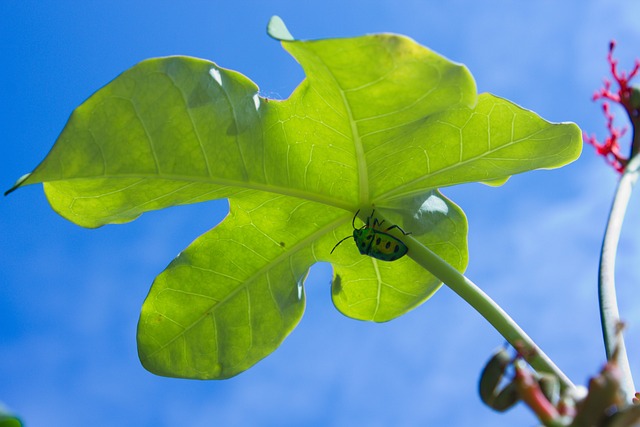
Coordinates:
x,y
70,297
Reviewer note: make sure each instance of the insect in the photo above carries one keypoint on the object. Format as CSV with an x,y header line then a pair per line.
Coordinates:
x,y
377,243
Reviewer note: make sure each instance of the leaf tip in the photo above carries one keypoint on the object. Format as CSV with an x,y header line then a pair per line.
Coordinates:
x,y
278,30
18,183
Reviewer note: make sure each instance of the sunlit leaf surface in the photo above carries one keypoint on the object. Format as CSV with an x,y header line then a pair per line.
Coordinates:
x,y
380,122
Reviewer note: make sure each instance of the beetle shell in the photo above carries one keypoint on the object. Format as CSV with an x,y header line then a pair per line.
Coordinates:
x,y
375,242
378,244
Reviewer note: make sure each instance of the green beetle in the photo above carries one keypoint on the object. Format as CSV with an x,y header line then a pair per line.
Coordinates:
x,y
375,242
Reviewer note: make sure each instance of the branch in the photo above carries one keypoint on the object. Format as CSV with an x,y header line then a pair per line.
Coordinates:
x,y
609,314
488,308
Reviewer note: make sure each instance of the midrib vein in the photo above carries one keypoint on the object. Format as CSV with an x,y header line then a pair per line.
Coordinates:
x,y
222,182
363,178
397,192
244,287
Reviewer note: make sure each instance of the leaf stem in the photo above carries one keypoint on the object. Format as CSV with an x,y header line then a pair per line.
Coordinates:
x,y
488,308
609,314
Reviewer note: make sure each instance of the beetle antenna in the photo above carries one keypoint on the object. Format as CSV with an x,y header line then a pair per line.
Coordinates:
x,y
353,221
334,248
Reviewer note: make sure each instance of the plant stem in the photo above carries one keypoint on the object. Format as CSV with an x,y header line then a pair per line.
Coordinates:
x,y
609,314
488,308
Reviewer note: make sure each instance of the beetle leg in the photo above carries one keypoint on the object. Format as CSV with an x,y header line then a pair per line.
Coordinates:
x,y
398,227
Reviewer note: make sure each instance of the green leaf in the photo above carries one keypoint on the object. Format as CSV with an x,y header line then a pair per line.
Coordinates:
x,y
379,123
240,308
8,419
